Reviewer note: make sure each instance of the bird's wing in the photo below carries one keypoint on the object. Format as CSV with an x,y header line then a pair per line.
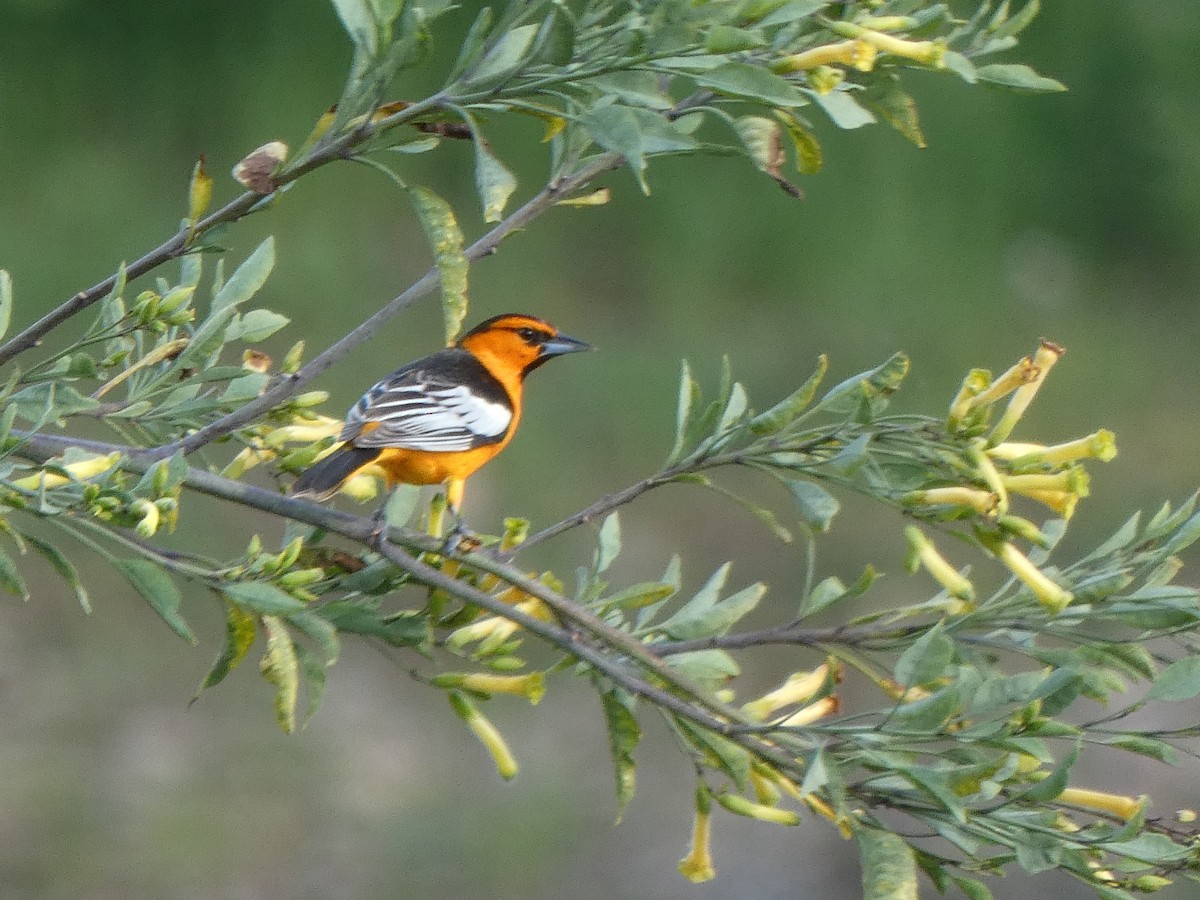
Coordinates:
x,y
422,408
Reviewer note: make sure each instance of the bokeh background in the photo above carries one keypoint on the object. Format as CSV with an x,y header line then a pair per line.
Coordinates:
x,y
1074,216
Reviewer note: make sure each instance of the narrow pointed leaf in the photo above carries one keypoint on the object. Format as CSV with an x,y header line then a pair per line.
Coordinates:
x,y
246,280
786,410
843,110
261,597
159,590
493,181
6,301
241,629
321,632
889,867
751,83
10,577
312,670
63,567
281,668
815,505
1019,77
610,542
504,59
446,239
623,736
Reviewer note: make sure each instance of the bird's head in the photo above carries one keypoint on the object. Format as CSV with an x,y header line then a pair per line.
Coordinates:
x,y
519,342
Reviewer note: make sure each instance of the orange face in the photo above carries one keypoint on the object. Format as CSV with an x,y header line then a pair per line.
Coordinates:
x,y
513,345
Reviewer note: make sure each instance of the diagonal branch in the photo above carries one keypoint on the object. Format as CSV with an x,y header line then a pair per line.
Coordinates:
x,y
180,242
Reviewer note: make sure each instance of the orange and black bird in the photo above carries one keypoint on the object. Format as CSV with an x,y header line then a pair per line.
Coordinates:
x,y
441,417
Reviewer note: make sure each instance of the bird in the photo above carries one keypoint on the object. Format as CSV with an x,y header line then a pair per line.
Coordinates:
x,y
440,418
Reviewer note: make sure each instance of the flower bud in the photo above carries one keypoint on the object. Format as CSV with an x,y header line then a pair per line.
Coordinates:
x,y
983,502
826,706
149,517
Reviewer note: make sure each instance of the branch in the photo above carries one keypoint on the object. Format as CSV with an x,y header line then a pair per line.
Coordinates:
x,y
177,245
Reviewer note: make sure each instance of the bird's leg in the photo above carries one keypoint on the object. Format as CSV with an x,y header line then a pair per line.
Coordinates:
x,y
460,536
379,524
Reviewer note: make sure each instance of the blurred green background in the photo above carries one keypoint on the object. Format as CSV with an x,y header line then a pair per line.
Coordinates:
x,y
1073,216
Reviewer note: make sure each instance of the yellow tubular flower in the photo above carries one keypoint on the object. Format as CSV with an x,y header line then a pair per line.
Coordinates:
x,y
800,687
1043,360
859,54
1074,480
697,866
492,740
1049,594
1021,373
80,470
826,706
1101,445
1117,804
531,686
739,805
922,552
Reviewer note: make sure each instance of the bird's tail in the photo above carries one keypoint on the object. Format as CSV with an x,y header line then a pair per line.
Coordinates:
x,y
322,480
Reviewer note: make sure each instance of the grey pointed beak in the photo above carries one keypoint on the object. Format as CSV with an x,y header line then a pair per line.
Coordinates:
x,y
563,343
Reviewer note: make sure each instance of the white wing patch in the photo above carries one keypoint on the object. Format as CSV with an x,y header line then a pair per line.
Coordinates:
x,y
422,416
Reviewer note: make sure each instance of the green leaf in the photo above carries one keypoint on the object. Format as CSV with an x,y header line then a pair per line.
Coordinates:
x,y
710,668
313,671
63,566
320,631
637,596
281,668
719,752
634,89
728,39
446,239
609,542
10,577
1018,77
503,60
791,11
1018,23
896,108
261,597
256,325
623,736
357,18
493,181
401,504
843,110
926,659
159,590
6,301
889,868
816,506
634,134
783,413
697,621
472,44
689,395
974,890
240,631
245,282
809,160
50,401
1178,681
827,592
1054,783
404,629
751,83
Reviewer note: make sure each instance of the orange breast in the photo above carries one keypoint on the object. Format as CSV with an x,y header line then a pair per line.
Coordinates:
x,y
401,466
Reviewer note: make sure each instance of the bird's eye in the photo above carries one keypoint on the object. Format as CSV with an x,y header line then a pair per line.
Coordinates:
x,y
528,334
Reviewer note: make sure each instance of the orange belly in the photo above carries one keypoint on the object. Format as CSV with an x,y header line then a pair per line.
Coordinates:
x,y
400,466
